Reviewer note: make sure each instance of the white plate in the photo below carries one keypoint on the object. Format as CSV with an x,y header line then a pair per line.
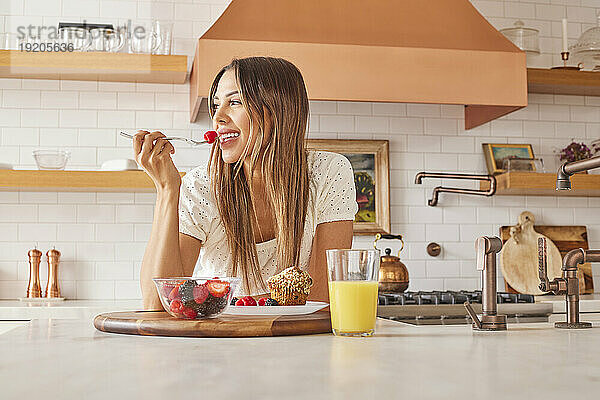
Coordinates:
x,y
309,308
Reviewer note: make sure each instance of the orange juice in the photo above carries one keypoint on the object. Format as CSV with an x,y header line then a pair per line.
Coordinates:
x,y
353,307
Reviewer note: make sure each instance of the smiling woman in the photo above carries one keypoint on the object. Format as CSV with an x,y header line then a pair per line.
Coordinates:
x,y
263,203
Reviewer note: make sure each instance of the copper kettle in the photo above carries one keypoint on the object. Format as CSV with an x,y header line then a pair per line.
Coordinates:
x,y
393,274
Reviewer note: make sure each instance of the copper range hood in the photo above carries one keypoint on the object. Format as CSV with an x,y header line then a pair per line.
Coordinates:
x,y
408,51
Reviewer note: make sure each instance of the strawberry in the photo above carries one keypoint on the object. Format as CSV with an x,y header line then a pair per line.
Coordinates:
x,y
249,301
261,301
200,294
174,293
189,313
217,288
240,302
176,306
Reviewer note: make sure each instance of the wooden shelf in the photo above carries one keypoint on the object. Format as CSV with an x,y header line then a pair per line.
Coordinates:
x,y
558,81
94,66
75,181
538,184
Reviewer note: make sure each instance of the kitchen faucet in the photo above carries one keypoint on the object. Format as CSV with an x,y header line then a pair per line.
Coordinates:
x,y
487,248
442,189
568,284
563,176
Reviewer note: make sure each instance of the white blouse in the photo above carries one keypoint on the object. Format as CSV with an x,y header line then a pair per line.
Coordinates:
x,y
332,197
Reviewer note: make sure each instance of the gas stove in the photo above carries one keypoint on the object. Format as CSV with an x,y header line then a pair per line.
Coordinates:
x,y
447,307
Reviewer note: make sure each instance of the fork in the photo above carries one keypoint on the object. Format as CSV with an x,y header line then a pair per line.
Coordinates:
x,y
190,141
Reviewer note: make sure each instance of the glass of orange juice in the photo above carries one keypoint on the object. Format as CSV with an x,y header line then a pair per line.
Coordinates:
x,y
353,280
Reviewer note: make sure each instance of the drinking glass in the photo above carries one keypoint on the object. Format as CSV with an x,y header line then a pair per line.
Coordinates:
x,y
106,40
144,39
164,30
353,283
79,38
9,41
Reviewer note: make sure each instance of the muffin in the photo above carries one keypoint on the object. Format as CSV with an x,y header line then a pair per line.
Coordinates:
x,y
290,287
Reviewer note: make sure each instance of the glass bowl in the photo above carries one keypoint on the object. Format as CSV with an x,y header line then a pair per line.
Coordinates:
x,y
195,298
51,159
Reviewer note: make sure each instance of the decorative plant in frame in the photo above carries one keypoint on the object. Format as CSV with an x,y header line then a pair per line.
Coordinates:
x,y
370,162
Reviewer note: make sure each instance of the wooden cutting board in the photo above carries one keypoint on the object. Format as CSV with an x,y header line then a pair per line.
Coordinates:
x,y
519,257
160,323
566,238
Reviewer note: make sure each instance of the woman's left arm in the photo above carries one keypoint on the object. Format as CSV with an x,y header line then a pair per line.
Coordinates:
x,y
328,235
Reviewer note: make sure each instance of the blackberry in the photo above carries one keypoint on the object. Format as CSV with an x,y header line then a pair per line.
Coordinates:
x,y
186,292
233,301
271,302
212,305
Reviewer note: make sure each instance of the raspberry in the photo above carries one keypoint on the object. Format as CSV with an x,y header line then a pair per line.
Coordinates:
x,y
176,306
261,301
200,294
189,313
249,301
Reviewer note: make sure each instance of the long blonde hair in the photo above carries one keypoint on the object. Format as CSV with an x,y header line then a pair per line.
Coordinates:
x,y
276,86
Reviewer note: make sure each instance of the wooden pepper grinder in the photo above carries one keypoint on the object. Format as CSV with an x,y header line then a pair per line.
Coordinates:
x,y
33,288
52,289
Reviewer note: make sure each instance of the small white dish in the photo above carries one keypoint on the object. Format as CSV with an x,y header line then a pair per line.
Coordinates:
x,y
309,308
124,164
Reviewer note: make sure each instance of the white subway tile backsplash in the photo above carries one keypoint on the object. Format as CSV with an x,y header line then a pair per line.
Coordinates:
x,y
120,270
57,213
116,119
128,289
91,213
75,232
552,112
58,137
136,101
424,110
78,118
114,232
95,290
422,144
39,118
21,99
20,136
59,100
585,114
458,144
153,120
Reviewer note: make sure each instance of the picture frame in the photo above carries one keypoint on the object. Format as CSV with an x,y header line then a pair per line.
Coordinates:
x,y
496,153
370,161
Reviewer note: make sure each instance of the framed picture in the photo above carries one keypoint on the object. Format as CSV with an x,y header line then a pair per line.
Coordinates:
x,y
497,153
370,162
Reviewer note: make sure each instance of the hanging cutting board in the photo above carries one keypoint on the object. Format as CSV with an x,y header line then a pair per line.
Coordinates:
x,y
159,323
519,257
566,238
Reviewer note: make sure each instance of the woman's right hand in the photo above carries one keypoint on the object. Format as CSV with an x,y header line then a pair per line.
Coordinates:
x,y
153,154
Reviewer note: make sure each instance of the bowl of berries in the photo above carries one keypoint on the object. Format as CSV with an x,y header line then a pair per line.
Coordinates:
x,y
195,298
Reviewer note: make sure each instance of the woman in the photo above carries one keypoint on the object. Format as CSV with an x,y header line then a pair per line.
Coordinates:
x,y
264,202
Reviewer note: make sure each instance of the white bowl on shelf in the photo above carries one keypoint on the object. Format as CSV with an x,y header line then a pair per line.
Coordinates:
x,y
51,159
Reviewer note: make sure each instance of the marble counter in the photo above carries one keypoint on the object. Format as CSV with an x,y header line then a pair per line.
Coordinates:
x,y
68,309
69,359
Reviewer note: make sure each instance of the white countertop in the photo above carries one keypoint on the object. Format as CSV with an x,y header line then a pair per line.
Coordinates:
x,y
69,359
68,309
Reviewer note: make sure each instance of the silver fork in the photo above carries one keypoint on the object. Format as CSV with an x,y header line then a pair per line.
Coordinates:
x,y
190,141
